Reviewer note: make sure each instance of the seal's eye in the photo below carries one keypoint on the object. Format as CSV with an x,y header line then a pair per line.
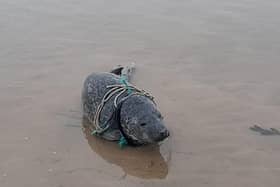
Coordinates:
x,y
143,124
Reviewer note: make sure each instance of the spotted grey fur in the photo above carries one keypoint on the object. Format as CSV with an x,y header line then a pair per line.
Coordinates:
x,y
137,118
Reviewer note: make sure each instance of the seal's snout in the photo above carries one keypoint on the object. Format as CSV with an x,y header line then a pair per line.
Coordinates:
x,y
162,135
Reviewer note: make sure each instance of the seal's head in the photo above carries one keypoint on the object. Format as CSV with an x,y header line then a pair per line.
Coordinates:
x,y
141,122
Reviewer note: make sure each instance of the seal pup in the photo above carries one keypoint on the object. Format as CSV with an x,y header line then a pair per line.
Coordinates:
x,y
118,110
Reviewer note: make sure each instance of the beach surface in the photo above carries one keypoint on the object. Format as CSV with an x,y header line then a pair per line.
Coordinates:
x,y
212,66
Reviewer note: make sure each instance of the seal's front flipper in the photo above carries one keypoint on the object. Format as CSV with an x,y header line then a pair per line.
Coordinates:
x,y
112,135
117,70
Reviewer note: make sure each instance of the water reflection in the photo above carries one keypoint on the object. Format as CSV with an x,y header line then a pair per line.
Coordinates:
x,y
143,162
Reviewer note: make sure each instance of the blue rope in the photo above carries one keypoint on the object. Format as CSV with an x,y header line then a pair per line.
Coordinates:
x,y
123,80
122,142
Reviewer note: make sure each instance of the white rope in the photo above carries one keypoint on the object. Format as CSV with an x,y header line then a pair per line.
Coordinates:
x,y
119,90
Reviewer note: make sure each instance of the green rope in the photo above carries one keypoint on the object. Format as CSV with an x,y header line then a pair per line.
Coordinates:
x,y
119,90
123,80
94,132
122,142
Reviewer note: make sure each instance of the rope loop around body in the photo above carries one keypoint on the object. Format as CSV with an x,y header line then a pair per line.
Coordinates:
x,y
118,90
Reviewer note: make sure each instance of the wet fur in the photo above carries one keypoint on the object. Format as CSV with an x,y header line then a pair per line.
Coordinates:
x,y
137,118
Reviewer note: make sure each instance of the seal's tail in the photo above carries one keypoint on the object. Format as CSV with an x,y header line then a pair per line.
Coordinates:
x,y
125,72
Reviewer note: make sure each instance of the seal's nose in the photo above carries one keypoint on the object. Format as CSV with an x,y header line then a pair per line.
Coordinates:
x,y
163,134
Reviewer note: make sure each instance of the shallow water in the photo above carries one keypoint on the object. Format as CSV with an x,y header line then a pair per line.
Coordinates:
x,y
213,67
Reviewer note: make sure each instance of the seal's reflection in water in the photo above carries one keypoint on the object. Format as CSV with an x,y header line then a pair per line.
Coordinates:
x,y
143,162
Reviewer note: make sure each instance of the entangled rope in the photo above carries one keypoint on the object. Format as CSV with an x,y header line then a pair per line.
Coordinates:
x,y
118,90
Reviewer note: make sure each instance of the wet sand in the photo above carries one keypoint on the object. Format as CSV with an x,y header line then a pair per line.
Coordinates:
x,y
213,67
